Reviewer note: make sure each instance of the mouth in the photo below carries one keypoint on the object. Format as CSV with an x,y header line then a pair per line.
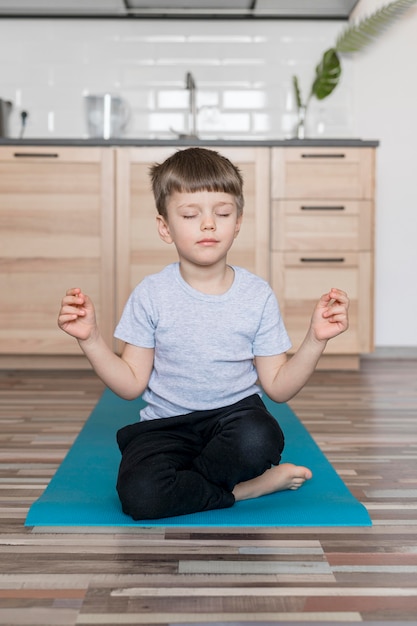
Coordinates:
x,y
207,242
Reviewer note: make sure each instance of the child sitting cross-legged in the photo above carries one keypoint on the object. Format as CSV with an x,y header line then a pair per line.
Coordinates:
x,y
203,340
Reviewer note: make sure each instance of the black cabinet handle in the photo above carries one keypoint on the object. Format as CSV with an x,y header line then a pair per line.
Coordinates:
x,y
36,155
340,259
323,208
336,155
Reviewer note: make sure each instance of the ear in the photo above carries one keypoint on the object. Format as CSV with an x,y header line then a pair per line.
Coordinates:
x,y
238,224
163,229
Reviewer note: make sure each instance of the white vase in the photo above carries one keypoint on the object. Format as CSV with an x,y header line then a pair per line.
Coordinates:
x,y
301,129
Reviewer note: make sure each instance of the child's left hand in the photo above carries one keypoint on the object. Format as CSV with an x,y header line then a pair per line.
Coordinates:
x,y
330,317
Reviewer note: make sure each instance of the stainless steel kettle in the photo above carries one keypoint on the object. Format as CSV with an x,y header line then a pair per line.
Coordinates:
x,y
5,110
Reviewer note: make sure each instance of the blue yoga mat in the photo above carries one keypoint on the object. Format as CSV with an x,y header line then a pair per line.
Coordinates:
x,y
82,492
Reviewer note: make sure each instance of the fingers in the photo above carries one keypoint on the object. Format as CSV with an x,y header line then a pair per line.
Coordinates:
x,y
74,297
72,306
335,295
338,294
335,300
336,305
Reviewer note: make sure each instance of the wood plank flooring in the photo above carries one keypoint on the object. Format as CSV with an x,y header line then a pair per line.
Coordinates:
x,y
365,422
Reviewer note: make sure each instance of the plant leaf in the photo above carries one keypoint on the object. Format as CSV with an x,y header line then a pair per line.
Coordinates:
x,y
357,36
297,92
327,75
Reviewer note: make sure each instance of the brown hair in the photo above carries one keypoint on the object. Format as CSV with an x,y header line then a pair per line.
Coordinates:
x,y
195,169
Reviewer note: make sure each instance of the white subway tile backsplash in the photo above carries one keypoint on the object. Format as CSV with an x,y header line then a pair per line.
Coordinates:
x,y
261,123
207,99
249,99
141,99
209,119
243,71
166,122
173,99
236,122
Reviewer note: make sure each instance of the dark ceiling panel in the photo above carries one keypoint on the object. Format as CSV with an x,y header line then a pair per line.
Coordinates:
x,y
208,9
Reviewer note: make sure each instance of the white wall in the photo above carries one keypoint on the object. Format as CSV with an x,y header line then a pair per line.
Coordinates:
x,y
242,68
385,104
243,71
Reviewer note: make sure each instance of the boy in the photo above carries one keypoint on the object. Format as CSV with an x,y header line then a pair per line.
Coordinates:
x,y
202,339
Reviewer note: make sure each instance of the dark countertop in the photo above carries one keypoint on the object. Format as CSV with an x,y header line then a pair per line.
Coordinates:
x,y
139,143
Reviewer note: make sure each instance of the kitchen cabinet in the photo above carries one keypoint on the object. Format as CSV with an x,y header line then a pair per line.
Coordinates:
x,y
322,236
56,231
84,215
140,251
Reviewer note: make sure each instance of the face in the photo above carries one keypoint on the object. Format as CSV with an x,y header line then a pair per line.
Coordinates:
x,y
202,225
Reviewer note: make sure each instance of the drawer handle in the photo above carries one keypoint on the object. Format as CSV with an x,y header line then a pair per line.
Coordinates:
x,y
323,208
340,259
36,155
324,156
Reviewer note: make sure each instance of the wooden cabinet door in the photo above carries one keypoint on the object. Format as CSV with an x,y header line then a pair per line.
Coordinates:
x,y
140,251
300,279
56,232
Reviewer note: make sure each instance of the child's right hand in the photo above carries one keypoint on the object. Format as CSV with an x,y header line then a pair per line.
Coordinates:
x,y
77,316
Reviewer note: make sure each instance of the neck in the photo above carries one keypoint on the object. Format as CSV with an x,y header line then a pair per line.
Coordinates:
x,y
212,280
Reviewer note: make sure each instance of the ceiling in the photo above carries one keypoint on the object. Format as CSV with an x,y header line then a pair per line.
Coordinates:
x,y
209,9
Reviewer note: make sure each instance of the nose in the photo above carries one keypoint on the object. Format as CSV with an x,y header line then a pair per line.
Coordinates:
x,y
208,223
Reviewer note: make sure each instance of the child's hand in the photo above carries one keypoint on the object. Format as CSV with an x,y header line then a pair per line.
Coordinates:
x,y
330,317
77,316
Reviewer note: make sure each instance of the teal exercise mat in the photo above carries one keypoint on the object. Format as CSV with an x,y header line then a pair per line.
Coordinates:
x,y
82,491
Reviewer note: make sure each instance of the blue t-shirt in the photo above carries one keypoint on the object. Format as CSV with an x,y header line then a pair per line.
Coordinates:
x,y
204,344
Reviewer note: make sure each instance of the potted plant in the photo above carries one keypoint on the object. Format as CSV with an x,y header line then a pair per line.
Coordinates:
x,y
354,38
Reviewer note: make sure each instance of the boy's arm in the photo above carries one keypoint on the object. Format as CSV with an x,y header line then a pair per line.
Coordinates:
x,y
282,379
127,375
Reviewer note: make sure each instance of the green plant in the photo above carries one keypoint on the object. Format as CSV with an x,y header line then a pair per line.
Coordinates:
x,y
353,38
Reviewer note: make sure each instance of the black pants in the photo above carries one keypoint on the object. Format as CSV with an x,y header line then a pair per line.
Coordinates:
x,y
192,462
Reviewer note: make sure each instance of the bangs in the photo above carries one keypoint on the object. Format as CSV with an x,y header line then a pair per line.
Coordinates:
x,y
196,169
202,182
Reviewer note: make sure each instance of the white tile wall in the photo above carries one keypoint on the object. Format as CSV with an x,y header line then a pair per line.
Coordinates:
x,y
242,69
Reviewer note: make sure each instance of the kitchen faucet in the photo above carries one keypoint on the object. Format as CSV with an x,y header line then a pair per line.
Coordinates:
x,y
191,130
192,124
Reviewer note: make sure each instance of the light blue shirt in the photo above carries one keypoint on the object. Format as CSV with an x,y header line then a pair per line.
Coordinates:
x,y
204,344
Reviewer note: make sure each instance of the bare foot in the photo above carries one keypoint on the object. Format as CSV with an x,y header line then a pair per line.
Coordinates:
x,y
278,478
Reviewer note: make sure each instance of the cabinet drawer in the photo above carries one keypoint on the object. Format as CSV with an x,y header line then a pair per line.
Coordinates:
x,y
300,281
323,173
322,225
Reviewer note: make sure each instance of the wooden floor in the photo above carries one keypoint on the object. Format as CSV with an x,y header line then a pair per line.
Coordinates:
x,y
365,422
